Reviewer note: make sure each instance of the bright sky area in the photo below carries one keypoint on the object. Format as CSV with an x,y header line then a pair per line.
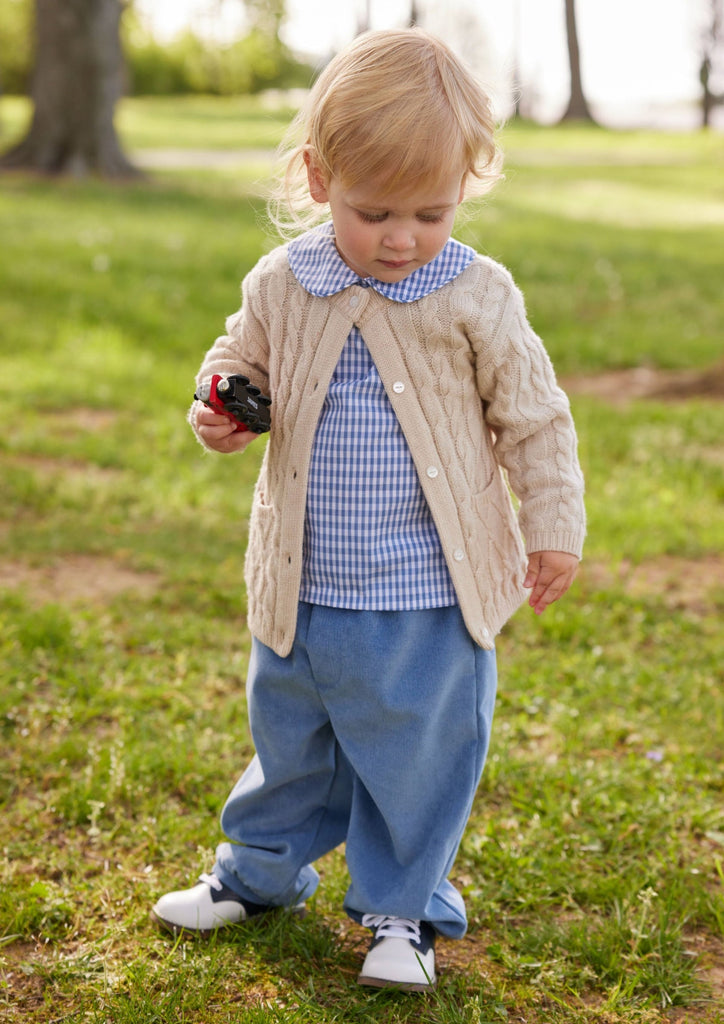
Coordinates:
x,y
638,56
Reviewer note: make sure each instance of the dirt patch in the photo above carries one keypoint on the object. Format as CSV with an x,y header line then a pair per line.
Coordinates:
x,y
709,952
76,579
646,382
683,583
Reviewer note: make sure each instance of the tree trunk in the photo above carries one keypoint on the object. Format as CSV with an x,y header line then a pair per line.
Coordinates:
x,y
577,109
707,100
711,50
77,80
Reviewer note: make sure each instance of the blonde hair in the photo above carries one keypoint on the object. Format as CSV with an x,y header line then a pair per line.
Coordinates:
x,y
395,107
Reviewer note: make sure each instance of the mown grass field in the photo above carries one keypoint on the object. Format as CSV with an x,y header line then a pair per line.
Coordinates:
x,y
593,865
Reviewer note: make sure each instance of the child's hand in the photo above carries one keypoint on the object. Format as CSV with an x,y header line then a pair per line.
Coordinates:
x,y
550,574
218,432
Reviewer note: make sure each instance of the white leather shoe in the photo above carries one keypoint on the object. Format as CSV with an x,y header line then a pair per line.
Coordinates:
x,y
401,954
206,907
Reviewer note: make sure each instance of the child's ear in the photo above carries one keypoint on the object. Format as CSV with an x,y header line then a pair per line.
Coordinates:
x,y
316,179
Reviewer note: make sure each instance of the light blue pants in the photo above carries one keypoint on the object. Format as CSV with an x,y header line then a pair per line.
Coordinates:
x,y
372,732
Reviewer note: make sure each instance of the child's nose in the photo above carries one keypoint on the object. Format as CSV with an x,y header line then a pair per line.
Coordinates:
x,y
400,238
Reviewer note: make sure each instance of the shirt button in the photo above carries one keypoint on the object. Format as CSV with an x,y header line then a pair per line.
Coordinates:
x,y
398,387
432,472
458,554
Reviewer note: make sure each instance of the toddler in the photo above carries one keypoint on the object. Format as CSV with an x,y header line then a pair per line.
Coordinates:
x,y
384,551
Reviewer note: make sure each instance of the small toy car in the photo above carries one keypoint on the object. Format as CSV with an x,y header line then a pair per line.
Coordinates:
x,y
238,399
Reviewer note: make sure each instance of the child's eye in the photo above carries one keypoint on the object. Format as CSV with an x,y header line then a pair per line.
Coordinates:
x,y
371,218
430,218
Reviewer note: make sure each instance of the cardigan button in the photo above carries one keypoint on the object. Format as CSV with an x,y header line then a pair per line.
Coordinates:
x,y
432,472
398,387
458,554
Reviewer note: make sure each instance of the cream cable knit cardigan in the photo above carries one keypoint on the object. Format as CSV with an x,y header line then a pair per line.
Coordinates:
x,y
474,392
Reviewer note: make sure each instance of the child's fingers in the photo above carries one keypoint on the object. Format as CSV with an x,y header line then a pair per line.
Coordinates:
x,y
534,563
218,432
545,593
549,576
208,418
226,444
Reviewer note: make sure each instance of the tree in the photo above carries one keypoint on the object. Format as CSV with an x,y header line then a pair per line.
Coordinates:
x,y
712,41
577,109
77,81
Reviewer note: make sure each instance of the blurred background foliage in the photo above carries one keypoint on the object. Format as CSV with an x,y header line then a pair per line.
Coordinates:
x,y
16,46
253,62
189,64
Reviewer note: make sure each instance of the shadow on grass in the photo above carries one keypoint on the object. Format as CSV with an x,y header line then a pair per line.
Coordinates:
x,y
285,969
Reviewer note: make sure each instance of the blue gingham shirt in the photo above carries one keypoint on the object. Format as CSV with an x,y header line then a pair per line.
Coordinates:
x,y
370,542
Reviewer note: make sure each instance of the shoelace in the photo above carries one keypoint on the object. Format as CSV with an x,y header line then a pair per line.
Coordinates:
x,y
386,927
215,883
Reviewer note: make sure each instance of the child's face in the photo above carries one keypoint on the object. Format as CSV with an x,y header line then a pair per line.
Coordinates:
x,y
388,235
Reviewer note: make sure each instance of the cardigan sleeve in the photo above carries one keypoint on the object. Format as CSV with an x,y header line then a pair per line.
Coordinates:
x,y
530,417
243,349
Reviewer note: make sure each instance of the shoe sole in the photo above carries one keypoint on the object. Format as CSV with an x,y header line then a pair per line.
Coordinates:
x,y
181,931
401,986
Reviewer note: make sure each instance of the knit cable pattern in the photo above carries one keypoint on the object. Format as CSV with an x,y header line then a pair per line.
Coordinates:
x,y
476,397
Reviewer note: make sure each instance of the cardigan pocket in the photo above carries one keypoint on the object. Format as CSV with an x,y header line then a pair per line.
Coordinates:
x,y
263,543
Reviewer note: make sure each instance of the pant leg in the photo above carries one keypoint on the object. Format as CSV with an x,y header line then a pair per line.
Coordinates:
x,y
375,727
410,697
291,805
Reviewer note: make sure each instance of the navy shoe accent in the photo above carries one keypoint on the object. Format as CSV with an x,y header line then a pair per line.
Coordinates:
x,y
223,894
206,907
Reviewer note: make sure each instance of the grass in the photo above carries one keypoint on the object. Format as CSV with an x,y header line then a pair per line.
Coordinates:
x,y
593,866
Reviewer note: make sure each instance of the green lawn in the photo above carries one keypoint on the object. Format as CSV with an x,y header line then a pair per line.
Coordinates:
x,y
593,866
